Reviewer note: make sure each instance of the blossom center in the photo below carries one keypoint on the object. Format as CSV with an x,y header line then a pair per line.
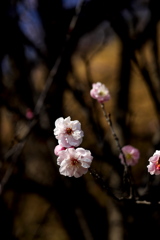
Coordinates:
x,y
74,162
128,156
158,164
101,93
69,131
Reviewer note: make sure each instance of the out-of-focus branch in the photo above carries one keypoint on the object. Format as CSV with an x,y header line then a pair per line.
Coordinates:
x,y
145,202
146,76
16,150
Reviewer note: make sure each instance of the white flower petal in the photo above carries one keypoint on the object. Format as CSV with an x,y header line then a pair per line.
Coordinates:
x,y
73,163
66,138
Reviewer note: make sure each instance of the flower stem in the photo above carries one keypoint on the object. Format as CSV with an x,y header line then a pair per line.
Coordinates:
x,y
103,185
126,169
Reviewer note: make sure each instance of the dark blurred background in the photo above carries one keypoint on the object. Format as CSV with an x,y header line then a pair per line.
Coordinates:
x,y
50,53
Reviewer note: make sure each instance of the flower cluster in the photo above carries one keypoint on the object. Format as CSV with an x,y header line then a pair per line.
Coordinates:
x,y
131,155
72,162
76,161
154,163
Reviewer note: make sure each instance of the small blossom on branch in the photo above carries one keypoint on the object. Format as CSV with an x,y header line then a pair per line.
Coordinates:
x,y
74,162
154,163
132,155
100,92
68,133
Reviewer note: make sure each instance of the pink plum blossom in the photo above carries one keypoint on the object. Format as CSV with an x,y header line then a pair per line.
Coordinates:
x,y
100,92
74,162
154,163
68,132
131,154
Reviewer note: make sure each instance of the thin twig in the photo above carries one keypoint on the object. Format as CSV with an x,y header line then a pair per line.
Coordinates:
x,y
101,182
10,169
49,81
109,121
15,152
145,202
126,169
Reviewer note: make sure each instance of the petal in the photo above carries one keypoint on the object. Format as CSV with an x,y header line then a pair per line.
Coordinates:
x,y
151,168
74,142
71,152
64,142
76,125
63,170
81,151
92,93
77,134
63,156
67,120
84,153
58,121
157,152
86,164
80,171
154,159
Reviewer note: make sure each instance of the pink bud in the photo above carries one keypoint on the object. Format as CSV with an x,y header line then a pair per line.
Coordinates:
x,y
58,149
29,114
